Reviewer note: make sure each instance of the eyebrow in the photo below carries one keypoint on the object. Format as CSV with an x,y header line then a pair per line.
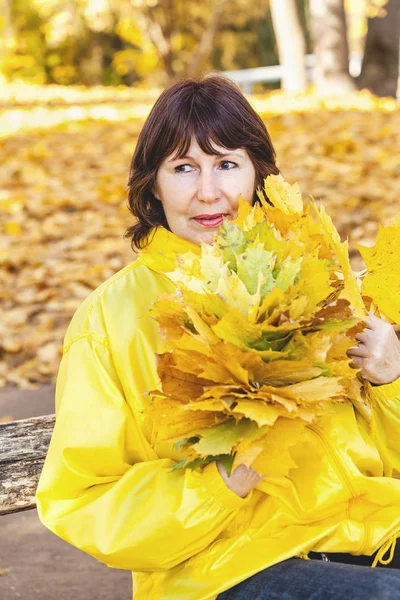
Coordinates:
x,y
218,155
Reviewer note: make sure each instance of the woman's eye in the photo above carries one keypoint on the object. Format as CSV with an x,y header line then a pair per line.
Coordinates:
x,y
181,169
228,162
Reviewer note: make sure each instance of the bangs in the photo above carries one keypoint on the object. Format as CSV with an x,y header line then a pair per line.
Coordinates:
x,y
210,123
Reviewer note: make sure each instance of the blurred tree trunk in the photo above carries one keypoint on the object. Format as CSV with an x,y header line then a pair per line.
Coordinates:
x,y
92,67
380,66
6,18
291,44
331,50
204,47
161,37
7,30
160,34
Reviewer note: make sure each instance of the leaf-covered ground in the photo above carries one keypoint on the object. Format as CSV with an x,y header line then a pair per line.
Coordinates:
x,y
64,162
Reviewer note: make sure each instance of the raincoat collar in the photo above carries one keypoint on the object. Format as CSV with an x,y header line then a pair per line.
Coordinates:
x,y
162,251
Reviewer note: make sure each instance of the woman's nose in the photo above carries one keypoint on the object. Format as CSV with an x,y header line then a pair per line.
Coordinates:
x,y
208,189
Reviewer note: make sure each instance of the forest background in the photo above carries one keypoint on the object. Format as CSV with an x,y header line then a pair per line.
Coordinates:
x,y
77,79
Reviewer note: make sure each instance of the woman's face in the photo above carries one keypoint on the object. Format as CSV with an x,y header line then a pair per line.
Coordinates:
x,y
200,190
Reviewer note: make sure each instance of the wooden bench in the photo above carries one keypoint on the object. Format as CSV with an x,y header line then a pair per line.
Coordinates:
x,y
23,448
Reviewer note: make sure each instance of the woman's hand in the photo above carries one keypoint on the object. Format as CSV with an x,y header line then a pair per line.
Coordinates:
x,y
378,353
242,480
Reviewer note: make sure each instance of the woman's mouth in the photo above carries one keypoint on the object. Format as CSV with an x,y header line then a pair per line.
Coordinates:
x,y
210,220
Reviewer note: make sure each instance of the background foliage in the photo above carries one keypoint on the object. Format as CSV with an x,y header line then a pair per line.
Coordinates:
x,y
114,42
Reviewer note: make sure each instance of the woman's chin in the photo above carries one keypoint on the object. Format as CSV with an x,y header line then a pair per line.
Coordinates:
x,y
208,236
196,236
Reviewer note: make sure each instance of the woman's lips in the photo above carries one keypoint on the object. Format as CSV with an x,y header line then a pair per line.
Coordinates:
x,y
211,222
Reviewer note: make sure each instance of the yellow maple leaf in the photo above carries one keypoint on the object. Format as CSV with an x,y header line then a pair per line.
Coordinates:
x,y
248,216
276,460
382,282
287,198
260,412
351,290
221,438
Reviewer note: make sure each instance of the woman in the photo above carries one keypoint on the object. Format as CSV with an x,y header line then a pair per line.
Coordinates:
x,y
107,485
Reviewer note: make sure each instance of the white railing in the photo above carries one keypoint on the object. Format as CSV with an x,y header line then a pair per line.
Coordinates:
x,y
246,78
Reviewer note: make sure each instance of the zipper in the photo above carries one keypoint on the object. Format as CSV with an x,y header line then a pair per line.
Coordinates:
x,y
344,476
366,539
346,479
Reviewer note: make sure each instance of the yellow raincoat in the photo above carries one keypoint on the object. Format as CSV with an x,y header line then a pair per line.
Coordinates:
x,y
107,487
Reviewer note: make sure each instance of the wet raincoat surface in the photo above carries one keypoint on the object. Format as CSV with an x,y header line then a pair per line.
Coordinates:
x,y
107,487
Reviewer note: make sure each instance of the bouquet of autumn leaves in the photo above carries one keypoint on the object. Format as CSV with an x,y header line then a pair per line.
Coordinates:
x,y
257,333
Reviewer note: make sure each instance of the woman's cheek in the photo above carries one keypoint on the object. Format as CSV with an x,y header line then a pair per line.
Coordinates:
x,y
185,186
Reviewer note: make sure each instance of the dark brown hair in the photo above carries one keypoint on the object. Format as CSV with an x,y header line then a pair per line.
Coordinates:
x,y
213,109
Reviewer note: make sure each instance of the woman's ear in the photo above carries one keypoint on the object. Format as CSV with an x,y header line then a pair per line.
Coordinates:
x,y
155,193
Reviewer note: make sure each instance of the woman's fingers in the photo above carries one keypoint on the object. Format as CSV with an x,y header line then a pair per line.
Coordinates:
x,y
359,350
357,362
361,337
373,319
377,355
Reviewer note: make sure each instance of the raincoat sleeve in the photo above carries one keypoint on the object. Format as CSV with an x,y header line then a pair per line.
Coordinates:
x,y
385,424
100,491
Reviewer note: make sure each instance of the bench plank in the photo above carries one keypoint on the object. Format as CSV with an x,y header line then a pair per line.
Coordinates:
x,y
23,448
